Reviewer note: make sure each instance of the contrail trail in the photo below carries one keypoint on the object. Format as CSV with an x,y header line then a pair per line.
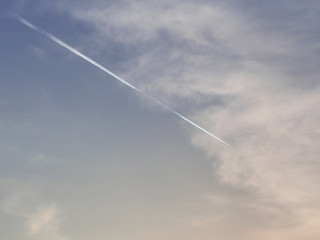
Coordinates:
x,y
63,44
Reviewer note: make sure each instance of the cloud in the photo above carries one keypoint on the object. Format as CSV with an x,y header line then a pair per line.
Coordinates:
x,y
21,201
44,223
249,75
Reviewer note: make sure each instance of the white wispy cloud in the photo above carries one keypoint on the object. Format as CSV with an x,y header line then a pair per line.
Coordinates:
x,y
20,200
252,78
44,223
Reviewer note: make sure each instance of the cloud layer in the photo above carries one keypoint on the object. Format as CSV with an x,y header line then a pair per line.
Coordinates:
x,y
248,73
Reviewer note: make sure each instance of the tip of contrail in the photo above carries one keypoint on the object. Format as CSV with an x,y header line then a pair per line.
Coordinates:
x,y
22,20
14,15
98,65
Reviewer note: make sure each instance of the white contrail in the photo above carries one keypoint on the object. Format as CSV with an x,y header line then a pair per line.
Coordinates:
x,y
63,44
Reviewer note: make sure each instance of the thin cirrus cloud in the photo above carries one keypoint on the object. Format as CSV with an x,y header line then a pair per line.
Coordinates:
x,y
260,63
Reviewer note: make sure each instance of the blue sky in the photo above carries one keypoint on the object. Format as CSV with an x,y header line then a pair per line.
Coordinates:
x,y
85,157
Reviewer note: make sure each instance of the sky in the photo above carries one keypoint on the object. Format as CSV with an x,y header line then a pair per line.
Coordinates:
x,y
85,157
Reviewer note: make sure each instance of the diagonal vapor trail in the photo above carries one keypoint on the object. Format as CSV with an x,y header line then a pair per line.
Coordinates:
x,y
63,44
